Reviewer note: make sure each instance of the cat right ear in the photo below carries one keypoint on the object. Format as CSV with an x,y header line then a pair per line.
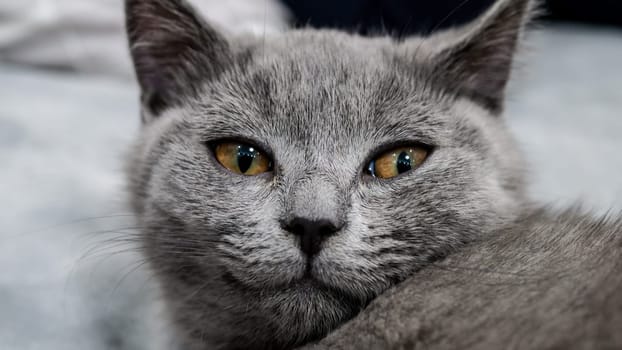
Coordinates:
x,y
174,51
475,60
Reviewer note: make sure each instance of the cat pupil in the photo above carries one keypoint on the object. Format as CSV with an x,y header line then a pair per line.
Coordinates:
x,y
371,169
246,155
403,163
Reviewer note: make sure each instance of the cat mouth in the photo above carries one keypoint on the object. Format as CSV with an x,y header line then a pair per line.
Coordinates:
x,y
310,283
312,280
308,280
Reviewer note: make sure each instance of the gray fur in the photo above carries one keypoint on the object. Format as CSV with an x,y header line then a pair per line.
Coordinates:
x,y
321,103
549,280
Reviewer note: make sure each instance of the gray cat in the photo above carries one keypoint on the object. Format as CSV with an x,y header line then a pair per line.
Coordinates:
x,y
283,184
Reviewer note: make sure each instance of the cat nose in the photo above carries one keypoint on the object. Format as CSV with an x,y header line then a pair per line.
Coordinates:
x,y
311,233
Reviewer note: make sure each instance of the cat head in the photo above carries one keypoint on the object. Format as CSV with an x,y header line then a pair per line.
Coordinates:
x,y
283,182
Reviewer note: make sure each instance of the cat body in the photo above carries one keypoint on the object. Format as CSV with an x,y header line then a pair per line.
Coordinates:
x,y
283,256
549,280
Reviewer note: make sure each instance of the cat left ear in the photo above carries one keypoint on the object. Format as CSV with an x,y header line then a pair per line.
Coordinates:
x,y
476,60
174,51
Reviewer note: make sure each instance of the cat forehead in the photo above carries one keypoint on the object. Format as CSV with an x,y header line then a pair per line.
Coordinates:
x,y
327,45
311,76
323,98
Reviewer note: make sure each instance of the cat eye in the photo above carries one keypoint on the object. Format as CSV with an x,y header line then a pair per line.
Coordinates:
x,y
242,158
397,161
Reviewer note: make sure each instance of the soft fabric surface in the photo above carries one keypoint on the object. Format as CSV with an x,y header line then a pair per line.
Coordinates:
x,y
89,36
66,284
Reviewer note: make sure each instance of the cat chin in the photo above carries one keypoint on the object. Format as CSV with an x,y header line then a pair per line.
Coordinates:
x,y
317,282
281,317
304,288
312,284
303,283
313,309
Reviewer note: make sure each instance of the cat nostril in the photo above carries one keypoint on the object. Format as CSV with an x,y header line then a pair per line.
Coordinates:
x,y
303,226
311,233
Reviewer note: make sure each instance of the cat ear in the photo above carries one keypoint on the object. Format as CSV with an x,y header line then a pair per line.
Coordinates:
x,y
173,49
476,60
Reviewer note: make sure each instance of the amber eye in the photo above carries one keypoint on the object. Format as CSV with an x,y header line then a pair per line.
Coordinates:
x,y
397,161
242,158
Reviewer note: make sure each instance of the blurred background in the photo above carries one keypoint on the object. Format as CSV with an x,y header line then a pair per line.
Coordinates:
x,y
70,278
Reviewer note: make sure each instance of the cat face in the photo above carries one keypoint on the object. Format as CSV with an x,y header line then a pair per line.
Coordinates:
x,y
282,184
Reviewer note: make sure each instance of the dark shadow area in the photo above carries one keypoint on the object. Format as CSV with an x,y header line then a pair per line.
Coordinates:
x,y
404,17
600,12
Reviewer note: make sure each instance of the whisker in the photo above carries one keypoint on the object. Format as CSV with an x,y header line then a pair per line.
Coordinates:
x,y
440,23
451,13
67,224
135,268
